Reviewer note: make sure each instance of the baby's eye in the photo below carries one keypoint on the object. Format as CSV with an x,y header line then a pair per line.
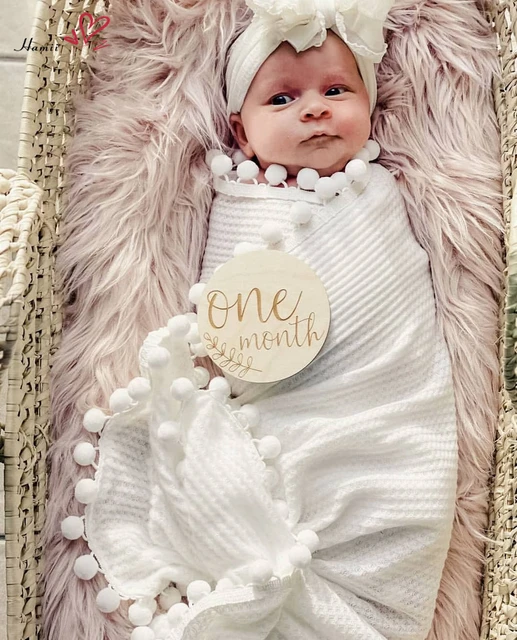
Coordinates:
x,y
279,97
336,88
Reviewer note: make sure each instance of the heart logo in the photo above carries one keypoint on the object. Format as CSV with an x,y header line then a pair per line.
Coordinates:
x,y
88,33
72,40
104,43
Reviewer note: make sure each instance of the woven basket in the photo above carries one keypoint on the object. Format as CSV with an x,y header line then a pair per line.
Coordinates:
x,y
500,579
30,307
31,201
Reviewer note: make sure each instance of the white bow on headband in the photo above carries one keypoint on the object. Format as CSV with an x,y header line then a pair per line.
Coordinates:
x,y
304,24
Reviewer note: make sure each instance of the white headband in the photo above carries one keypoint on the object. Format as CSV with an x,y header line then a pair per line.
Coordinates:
x,y
304,24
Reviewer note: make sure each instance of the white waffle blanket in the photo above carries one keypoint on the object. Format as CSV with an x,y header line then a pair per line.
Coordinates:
x,y
369,450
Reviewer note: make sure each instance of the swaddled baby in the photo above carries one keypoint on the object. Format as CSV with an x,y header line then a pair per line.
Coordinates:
x,y
368,429
341,531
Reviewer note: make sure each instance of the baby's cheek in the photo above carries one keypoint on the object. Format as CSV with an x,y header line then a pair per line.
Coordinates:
x,y
358,128
274,142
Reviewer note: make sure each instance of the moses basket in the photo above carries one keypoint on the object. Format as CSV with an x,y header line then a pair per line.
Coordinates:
x,y
32,200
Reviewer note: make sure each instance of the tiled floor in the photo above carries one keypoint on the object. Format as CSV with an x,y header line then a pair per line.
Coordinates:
x,y
15,26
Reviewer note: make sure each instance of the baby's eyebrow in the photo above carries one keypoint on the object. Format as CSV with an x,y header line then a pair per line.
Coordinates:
x,y
277,84
341,75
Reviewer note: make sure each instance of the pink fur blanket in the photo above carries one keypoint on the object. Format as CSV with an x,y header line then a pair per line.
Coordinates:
x,y
134,229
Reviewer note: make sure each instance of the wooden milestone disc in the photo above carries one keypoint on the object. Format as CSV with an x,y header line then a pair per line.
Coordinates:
x,y
264,315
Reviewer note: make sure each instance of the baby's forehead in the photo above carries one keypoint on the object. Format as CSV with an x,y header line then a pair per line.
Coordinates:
x,y
333,53
285,66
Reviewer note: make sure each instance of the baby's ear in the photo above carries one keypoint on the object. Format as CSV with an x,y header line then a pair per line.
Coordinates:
x,y
239,134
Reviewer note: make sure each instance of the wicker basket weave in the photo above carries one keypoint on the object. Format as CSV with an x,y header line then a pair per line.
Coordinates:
x,y
30,316
24,297
500,579
30,308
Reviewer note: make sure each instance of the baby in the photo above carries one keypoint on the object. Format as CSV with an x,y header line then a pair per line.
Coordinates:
x,y
368,429
333,521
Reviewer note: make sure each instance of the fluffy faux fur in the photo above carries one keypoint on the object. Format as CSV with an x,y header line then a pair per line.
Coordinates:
x,y
133,234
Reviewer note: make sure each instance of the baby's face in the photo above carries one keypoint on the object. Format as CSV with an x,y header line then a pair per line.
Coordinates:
x,y
296,95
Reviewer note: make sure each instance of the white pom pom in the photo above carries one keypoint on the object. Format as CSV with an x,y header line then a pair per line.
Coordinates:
x,y
309,538
182,388
143,633
300,556
269,447
158,357
72,528
247,170
120,400
169,430
179,326
220,386
221,165
356,170
202,376
180,470
234,404
271,232
260,571
196,590
251,414
84,453
275,174
108,600
139,615
94,420
224,584
149,603
341,180
307,178
195,292
191,316
139,388
300,213
193,333
168,597
198,349
325,188
363,155
282,508
211,154
86,567
161,627
176,612
85,491
239,156
272,477
373,148
245,247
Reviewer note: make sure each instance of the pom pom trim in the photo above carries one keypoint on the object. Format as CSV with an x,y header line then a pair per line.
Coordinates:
x,y
369,150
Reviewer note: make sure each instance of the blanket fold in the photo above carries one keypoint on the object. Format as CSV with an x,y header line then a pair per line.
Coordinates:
x,y
368,457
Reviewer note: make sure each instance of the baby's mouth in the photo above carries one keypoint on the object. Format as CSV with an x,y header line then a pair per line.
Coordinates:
x,y
319,136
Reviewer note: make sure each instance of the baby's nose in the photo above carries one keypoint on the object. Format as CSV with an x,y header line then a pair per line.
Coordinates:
x,y
315,108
